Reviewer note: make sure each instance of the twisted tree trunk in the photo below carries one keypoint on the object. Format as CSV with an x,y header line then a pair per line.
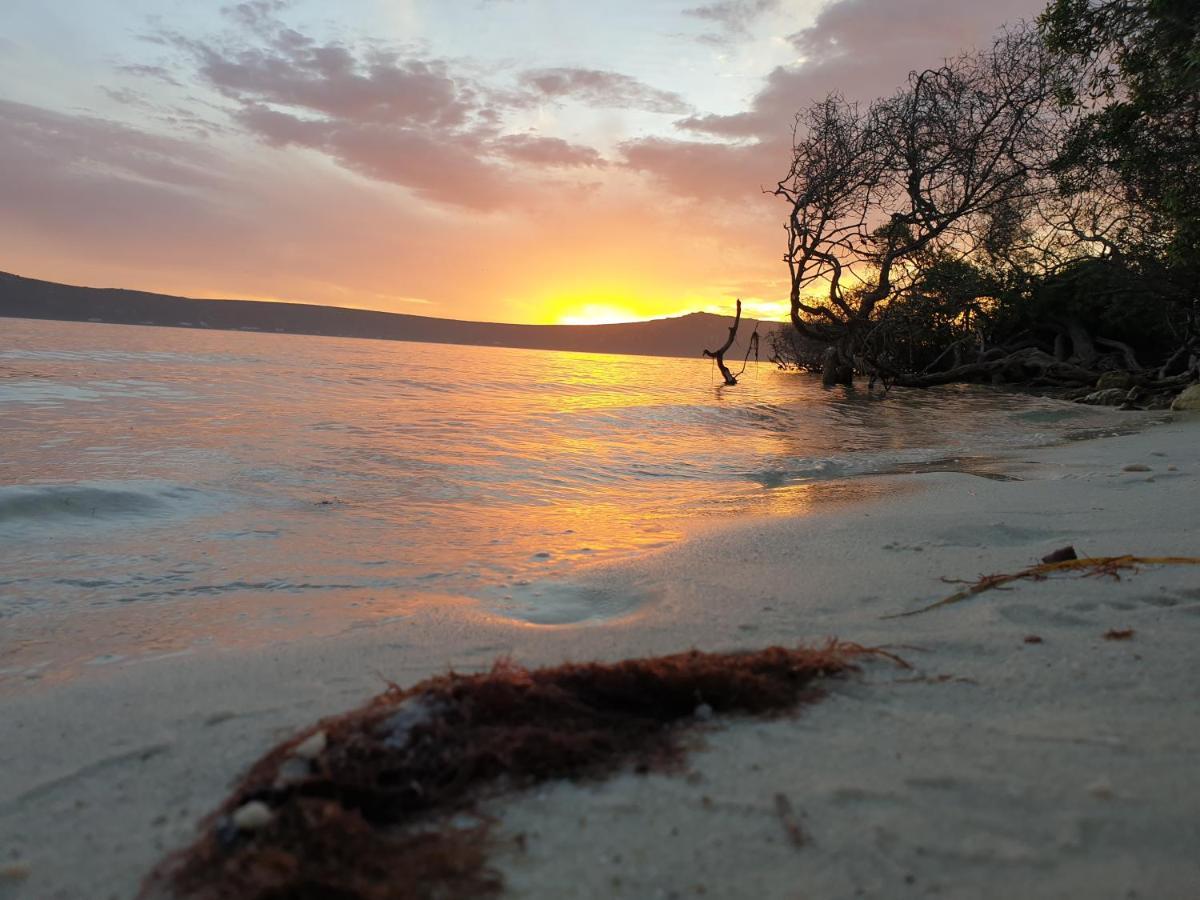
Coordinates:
x,y
837,366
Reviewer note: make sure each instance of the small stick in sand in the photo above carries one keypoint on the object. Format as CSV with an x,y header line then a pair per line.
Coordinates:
x,y
787,815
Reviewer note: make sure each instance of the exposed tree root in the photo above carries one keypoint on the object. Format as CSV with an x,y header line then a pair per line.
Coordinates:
x,y
377,803
1111,566
1024,365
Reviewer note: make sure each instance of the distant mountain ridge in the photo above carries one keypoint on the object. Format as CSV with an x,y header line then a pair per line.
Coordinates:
x,y
688,335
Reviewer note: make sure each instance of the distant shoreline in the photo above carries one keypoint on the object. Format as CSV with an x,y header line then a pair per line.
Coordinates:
x,y
681,336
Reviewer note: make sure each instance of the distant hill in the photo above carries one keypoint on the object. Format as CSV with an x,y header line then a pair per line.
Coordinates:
x,y
681,336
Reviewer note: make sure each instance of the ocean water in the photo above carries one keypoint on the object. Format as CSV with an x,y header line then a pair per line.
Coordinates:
x,y
187,470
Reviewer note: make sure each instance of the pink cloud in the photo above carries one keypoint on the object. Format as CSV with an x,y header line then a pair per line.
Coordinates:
x,y
415,122
331,81
602,88
546,151
48,149
702,170
861,49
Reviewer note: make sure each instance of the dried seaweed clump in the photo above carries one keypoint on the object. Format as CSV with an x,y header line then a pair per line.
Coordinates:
x,y
375,804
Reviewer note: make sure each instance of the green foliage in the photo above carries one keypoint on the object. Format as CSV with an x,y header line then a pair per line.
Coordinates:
x,y
946,313
1107,297
1096,293
1142,105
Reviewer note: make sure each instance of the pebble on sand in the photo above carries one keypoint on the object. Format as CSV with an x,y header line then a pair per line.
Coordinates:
x,y
1101,788
311,747
291,771
251,816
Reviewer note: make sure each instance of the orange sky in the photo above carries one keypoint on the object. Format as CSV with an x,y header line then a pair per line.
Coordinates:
x,y
524,160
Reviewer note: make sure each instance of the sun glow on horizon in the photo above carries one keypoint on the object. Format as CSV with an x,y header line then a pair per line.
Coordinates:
x,y
597,314
753,308
587,312
601,304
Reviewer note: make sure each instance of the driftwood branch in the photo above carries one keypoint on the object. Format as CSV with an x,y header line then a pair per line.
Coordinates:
x,y
1111,566
719,353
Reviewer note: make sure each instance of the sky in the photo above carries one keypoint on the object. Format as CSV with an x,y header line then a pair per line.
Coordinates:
x,y
497,160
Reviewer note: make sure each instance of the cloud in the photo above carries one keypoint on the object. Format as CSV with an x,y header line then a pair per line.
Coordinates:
x,y
733,18
98,185
156,72
331,80
546,151
445,169
257,15
862,49
700,170
419,122
90,148
410,122
596,87
86,199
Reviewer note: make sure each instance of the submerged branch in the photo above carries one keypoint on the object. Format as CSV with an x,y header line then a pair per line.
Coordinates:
x,y
719,353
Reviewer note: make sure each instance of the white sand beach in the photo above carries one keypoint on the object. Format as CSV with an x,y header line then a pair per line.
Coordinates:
x,y
995,768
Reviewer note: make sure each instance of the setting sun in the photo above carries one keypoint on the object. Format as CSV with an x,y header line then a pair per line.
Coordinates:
x,y
595,314
606,301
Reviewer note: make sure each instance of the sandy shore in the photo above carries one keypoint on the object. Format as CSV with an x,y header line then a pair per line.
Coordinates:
x,y
998,768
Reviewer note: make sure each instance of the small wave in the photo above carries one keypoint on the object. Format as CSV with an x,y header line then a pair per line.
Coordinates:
x,y
795,470
48,393
123,356
23,506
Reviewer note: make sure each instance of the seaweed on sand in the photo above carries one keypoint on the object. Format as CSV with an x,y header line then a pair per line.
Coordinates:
x,y
1109,566
377,804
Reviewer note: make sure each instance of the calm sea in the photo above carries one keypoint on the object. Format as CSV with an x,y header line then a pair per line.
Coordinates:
x,y
174,468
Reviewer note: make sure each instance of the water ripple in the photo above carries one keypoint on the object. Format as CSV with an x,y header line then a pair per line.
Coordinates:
x,y
183,466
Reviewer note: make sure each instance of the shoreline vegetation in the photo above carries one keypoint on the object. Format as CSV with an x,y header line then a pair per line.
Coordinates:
x,y
1026,214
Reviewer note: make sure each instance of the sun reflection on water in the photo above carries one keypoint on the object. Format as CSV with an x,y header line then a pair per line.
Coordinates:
x,y
197,470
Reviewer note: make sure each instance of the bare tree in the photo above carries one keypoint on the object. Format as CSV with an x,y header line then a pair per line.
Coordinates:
x,y
940,170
